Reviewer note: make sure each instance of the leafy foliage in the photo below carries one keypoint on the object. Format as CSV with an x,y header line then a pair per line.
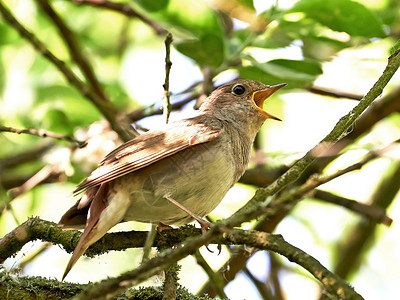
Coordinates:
x,y
342,15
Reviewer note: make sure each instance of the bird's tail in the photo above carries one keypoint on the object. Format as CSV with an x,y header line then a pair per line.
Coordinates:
x,y
98,203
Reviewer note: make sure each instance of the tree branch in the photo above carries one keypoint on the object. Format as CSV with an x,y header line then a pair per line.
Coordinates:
x,y
335,94
117,121
29,287
47,231
34,287
74,49
371,212
168,64
35,228
44,133
40,176
350,254
124,9
331,282
24,157
216,279
152,110
262,288
171,282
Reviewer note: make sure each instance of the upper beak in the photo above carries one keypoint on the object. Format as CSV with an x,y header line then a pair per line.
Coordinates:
x,y
260,96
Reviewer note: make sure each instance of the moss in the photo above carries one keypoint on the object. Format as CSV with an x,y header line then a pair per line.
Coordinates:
x,y
13,287
157,293
32,287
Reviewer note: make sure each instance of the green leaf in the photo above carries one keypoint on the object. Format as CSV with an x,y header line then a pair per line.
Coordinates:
x,y
342,15
206,51
48,93
57,120
395,47
80,111
321,48
277,38
297,73
63,106
195,25
8,35
153,6
248,3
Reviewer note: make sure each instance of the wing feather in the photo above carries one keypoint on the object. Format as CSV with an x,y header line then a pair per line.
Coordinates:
x,y
147,149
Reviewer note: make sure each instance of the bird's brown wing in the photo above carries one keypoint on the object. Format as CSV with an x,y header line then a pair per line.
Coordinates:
x,y
147,149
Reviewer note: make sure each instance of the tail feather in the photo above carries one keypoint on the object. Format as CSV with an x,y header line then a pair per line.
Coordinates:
x,y
90,235
76,216
80,248
107,209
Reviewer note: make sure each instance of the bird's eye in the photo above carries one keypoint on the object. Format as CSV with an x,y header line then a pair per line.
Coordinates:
x,y
238,89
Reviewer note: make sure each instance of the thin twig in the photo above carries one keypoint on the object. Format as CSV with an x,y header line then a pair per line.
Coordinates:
x,y
36,179
362,234
216,279
335,94
273,277
237,261
168,64
372,212
153,110
262,288
30,155
151,236
44,133
29,258
11,210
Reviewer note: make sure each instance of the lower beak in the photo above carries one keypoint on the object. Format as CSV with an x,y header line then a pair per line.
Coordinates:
x,y
260,96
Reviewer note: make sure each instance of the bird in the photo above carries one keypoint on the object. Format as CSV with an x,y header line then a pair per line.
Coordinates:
x,y
175,174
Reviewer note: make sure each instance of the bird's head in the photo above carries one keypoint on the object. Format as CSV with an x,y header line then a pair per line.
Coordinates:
x,y
240,101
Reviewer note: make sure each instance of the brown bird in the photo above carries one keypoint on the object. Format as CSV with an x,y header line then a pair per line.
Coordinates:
x,y
175,174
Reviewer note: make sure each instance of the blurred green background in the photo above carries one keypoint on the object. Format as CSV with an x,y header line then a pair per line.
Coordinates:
x,y
330,52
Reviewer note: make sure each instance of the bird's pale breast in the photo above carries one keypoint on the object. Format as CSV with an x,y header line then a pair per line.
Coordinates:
x,y
197,179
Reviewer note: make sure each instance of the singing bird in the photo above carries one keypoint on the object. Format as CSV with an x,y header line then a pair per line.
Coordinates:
x,y
175,174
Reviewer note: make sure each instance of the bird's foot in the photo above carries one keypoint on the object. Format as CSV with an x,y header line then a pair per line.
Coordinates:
x,y
204,224
161,227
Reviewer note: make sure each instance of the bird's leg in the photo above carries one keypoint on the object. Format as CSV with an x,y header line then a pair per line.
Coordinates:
x,y
203,223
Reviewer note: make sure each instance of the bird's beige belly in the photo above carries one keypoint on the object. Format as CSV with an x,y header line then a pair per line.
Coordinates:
x,y
199,187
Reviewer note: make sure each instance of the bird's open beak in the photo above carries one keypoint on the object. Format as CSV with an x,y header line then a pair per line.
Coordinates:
x,y
260,96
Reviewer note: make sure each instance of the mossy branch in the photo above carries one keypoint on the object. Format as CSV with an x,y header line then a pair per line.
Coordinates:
x,y
261,240
36,228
